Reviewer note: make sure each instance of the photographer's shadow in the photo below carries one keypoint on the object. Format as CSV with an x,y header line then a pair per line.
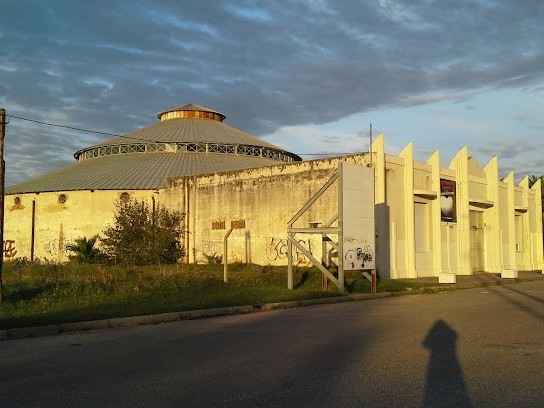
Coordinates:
x,y
445,386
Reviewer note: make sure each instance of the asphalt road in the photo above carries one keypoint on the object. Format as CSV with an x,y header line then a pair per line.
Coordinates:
x,y
481,347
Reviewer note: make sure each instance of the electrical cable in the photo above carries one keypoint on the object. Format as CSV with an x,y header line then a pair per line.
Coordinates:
x,y
62,126
146,140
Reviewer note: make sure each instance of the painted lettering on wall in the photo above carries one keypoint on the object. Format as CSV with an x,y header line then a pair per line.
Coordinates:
x,y
9,248
276,250
53,246
209,247
360,254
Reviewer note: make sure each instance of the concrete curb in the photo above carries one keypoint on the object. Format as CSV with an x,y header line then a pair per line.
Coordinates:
x,y
82,326
41,331
38,331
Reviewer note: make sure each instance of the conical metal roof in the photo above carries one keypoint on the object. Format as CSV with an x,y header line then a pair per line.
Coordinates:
x,y
189,140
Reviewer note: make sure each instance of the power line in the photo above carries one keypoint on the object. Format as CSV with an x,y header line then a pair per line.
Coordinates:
x,y
82,130
63,126
146,140
139,139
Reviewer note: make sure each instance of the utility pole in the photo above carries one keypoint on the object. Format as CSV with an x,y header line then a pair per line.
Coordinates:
x,y
370,143
2,180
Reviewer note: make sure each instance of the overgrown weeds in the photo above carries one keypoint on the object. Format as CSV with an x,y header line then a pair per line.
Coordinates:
x,y
40,294
37,294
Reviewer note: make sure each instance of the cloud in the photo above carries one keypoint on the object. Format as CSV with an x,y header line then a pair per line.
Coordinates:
x,y
424,99
111,66
325,142
521,156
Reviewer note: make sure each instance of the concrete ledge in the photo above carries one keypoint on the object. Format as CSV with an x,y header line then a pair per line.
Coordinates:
x,y
221,311
509,274
126,321
368,296
447,278
162,318
84,326
38,331
323,301
283,305
278,305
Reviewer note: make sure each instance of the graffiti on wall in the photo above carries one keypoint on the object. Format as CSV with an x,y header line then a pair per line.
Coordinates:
x,y
360,254
53,246
209,249
276,250
209,246
9,248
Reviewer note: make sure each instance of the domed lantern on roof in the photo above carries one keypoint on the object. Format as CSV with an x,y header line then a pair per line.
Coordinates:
x,y
191,110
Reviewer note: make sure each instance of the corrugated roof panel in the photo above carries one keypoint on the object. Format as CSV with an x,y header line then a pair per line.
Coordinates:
x,y
188,130
135,171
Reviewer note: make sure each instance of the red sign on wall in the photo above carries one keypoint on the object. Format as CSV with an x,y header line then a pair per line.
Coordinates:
x,y
448,207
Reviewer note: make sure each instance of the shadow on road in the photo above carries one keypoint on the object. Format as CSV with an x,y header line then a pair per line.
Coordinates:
x,y
533,311
445,386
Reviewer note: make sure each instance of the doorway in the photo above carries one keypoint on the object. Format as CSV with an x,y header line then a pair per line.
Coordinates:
x,y
477,240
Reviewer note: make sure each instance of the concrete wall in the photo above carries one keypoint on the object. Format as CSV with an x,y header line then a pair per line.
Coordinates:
x,y
263,200
411,238
57,224
508,234
498,224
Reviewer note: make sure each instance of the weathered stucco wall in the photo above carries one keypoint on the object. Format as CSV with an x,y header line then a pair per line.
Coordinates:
x,y
497,224
261,200
59,218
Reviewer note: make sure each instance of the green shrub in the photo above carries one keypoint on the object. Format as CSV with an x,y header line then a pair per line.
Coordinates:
x,y
84,250
143,234
213,258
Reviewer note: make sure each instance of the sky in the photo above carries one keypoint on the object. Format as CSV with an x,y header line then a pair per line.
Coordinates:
x,y
307,75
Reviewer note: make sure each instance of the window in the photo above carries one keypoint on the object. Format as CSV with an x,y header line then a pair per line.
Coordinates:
x,y
125,197
519,233
421,227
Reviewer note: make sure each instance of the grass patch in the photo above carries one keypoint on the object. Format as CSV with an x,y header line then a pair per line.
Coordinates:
x,y
52,294
355,282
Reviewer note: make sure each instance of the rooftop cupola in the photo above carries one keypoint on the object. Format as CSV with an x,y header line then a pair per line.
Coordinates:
x,y
191,111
